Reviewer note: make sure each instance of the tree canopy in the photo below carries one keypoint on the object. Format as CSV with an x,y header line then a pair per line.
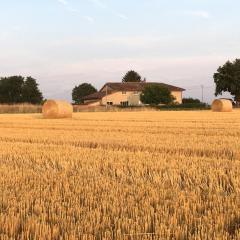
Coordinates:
x,y
156,94
17,89
31,92
132,76
81,91
227,79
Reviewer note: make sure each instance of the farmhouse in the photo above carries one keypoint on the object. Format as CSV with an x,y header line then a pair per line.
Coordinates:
x,y
126,94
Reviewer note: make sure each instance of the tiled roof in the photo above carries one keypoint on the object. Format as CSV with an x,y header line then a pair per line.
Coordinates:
x,y
97,95
94,96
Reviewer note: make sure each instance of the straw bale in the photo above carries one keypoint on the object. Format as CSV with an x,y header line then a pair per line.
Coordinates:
x,y
222,105
57,109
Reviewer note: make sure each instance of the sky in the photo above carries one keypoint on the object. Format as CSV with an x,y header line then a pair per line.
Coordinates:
x,y
63,43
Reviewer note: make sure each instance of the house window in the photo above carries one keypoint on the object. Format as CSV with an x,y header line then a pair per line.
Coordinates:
x,y
135,92
110,103
124,104
124,92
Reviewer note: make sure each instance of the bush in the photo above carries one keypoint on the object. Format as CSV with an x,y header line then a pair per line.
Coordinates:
x,y
185,106
81,91
156,94
190,100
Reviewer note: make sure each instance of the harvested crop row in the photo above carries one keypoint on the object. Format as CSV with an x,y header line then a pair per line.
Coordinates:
x,y
77,183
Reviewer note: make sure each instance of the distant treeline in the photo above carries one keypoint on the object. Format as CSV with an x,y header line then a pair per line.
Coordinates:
x,y
18,90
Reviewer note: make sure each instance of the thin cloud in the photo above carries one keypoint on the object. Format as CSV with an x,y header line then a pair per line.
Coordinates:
x,y
64,2
101,4
98,3
199,13
71,9
122,16
89,19
67,5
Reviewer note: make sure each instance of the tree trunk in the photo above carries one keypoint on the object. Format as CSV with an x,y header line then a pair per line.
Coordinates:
x,y
237,99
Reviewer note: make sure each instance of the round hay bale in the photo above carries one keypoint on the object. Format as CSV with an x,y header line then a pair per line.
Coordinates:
x,y
222,105
57,109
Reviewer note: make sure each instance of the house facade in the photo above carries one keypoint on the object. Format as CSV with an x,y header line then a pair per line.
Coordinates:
x,y
126,94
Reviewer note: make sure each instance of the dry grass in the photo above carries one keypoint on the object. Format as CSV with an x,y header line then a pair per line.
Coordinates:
x,y
87,108
20,108
29,108
174,175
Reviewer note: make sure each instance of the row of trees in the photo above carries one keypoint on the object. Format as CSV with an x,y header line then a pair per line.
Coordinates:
x,y
17,89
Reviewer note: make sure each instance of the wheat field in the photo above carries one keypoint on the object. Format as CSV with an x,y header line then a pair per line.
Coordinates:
x,y
123,176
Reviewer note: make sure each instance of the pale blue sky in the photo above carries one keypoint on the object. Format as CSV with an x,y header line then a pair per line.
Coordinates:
x,y
66,42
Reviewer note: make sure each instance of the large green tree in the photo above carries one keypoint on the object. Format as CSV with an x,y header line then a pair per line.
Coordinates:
x,y
227,79
81,91
156,94
132,76
17,89
31,92
11,89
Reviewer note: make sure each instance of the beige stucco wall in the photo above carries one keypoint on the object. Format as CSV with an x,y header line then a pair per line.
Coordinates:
x,y
133,99
93,103
89,101
178,96
118,97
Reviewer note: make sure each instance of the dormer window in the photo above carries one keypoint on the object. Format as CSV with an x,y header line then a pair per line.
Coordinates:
x,y
124,92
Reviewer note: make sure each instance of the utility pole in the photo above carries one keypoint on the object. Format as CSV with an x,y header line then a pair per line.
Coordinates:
x,y
202,86
106,96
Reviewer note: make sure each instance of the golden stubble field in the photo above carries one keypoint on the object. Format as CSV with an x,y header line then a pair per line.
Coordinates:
x,y
137,175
